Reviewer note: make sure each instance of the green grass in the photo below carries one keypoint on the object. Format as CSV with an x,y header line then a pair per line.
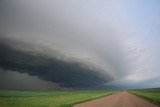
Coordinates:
x,y
48,99
152,95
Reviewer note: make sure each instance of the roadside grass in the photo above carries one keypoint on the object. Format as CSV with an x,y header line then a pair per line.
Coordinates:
x,y
48,99
151,95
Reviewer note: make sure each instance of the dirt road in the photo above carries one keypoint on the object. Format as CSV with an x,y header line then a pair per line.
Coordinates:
x,y
123,99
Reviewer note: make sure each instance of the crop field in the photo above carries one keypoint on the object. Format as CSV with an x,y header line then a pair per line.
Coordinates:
x,y
48,99
152,95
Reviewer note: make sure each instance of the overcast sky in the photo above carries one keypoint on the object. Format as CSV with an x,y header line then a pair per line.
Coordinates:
x,y
80,43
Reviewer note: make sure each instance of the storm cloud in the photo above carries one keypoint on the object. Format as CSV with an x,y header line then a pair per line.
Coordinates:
x,y
22,81
81,43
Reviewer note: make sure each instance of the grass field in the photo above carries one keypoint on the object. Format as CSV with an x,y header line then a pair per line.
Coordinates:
x,y
48,99
152,95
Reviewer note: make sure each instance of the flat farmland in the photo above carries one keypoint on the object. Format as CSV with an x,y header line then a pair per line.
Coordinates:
x,y
48,99
151,95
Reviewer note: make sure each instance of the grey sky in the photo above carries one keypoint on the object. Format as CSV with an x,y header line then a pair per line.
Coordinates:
x,y
116,39
22,81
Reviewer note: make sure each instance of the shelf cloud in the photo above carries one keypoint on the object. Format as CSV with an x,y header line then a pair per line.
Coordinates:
x,y
81,44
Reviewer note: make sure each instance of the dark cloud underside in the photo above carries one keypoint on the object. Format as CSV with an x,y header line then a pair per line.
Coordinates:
x,y
12,80
67,74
